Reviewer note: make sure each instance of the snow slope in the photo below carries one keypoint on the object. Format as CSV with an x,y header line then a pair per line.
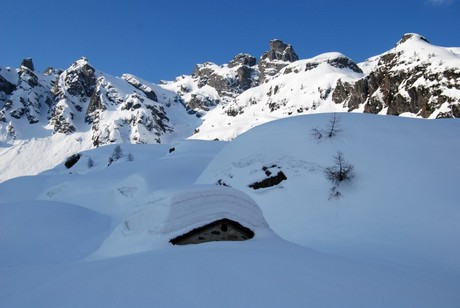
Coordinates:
x,y
391,239
402,206
43,232
270,274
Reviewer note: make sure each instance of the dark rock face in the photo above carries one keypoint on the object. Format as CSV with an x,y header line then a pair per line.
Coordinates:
x,y
344,62
242,59
206,75
24,99
244,76
27,62
280,51
144,88
81,80
200,102
6,86
272,61
95,103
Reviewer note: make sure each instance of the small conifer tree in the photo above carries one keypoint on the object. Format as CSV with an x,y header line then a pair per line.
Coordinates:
x,y
341,171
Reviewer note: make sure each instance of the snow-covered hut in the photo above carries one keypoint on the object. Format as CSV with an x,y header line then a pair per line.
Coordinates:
x,y
211,213
196,214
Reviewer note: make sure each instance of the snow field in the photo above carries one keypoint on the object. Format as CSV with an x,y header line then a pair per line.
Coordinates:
x,y
389,240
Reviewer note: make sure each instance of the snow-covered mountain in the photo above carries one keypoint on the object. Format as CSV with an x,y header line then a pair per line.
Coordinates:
x,y
415,78
301,87
82,99
95,235
68,111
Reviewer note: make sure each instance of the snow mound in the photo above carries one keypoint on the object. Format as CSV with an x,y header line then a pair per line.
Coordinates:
x,y
44,232
204,204
153,226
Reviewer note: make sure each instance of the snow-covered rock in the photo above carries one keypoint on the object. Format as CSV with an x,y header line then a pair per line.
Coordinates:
x,y
211,84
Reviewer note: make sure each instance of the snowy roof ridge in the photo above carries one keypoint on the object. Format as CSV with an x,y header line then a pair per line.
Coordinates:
x,y
203,204
195,206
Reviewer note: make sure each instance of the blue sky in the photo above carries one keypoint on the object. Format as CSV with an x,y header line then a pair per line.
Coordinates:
x,y
164,39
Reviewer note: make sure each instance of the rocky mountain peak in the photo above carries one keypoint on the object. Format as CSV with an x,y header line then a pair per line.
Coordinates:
x,y
228,80
272,61
280,51
242,59
414,78
83,66
80,78
410,37
7,85
28,63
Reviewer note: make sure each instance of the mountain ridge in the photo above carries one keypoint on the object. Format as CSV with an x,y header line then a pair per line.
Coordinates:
x,y
93,108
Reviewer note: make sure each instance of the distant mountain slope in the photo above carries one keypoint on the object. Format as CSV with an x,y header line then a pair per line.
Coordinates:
x,y
304,86
414,79
84,108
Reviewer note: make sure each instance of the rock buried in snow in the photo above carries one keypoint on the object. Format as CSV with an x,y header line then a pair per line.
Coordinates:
x,y
270,181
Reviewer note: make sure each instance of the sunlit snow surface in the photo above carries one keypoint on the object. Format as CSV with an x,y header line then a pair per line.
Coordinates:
x,y
390,240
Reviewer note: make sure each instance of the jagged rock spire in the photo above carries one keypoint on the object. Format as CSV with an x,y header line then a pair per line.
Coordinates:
x,y
272,61
242,59
28,63
280,51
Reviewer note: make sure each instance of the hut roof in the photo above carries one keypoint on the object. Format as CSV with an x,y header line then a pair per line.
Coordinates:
x,y
179,212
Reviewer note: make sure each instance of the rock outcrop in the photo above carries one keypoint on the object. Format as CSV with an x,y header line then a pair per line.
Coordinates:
x,y
415,77
212,84
25,98
28,63
279,56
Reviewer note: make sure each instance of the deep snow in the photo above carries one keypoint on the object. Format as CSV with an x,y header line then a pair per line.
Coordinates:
x,y
391,239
